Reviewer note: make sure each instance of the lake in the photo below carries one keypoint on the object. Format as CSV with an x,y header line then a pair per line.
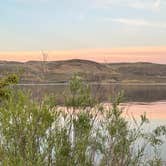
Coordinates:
x,y
132,92
138,98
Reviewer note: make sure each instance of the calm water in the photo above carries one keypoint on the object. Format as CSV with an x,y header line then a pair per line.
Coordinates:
x,y
137,100
132,93
156,113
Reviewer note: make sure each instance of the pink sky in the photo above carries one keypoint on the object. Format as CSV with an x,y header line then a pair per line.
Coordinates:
x,y
134,54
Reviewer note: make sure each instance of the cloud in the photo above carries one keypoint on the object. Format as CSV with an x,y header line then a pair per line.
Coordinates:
x,y
148,5
137,22
130,21
138,4
157,4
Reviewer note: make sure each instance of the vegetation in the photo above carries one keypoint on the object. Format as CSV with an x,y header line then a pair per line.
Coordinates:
x,y
61,71
5,91
82,133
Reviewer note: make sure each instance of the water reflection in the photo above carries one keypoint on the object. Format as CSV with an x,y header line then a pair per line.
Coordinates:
x,y
132,93
155,111
137,100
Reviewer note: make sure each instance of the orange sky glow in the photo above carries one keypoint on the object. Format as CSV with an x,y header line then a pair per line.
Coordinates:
x,y
134,54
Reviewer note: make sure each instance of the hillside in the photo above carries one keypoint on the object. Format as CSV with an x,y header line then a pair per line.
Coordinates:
x,y
61,71
140,72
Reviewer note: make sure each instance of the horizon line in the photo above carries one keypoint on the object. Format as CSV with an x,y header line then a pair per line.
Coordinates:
x,y
125,54
120,62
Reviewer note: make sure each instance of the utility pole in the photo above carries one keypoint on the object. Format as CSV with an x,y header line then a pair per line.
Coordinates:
x,y
44,62
45,56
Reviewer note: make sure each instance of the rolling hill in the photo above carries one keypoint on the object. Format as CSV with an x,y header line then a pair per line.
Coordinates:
x,y
62,71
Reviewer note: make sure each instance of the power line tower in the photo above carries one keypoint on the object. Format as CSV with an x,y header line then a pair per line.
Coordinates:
x,y
44,62
45,56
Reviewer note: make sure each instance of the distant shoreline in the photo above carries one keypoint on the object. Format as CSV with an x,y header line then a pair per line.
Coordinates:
x,y
66,60
91,83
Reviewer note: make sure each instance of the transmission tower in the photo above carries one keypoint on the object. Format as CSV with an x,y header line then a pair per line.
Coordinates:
x,y
44,62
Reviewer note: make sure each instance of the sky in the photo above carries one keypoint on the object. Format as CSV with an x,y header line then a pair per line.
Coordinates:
x,y
81,29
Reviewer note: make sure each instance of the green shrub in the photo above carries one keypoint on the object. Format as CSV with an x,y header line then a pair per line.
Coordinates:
x,y
5,91
40,133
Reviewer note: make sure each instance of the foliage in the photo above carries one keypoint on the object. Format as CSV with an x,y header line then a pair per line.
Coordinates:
x,y
5,83
83,133
80,94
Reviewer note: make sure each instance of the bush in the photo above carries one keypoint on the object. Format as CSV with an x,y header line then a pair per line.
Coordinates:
x,y
83,133
5,91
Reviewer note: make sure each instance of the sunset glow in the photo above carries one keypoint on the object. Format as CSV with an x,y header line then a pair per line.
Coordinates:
x,y
134,54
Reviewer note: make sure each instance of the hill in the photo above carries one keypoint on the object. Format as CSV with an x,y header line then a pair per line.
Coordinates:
x,y
61,71
140,72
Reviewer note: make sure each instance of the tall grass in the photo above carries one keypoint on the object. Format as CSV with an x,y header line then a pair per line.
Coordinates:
x,y
82,133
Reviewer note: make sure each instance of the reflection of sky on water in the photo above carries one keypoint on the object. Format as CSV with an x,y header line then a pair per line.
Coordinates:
x,y
155,112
